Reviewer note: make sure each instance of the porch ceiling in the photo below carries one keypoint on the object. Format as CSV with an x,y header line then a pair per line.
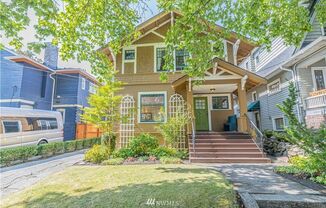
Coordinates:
x,y
217,88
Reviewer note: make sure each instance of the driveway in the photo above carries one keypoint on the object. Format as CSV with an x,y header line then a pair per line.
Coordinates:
x,y
19,177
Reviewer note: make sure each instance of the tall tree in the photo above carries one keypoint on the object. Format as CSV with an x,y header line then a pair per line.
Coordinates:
x,y
79,26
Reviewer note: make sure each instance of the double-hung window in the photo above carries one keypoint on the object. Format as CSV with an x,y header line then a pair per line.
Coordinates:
x,y
220,103
278,124
83,83
160,53
92,88
181,57
319,78
152,107
129,55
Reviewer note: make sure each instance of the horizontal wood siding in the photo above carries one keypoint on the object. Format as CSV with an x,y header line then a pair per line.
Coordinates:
x,y
315,33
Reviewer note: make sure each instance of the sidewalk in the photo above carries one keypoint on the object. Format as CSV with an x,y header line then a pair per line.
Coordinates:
x,y
19,177
261,187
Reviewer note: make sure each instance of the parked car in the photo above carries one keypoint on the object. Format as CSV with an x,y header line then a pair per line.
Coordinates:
x,y
29,127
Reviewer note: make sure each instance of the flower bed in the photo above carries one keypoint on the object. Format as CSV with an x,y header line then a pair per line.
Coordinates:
x,y
15,155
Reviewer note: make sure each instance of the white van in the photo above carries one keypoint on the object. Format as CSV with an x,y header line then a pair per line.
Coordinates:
x,y
29,127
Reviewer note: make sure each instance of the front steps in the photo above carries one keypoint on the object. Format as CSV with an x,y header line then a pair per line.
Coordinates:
x,y
225,147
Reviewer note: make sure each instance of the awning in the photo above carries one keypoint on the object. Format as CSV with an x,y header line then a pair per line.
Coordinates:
x,y
254,106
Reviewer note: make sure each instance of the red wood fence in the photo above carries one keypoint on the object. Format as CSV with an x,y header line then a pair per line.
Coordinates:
x,y
84,131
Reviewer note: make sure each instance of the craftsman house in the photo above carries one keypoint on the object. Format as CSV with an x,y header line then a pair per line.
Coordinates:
x,y
216,133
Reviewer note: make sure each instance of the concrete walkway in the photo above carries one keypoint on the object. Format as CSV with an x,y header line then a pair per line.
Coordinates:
x,y
19,177
264,188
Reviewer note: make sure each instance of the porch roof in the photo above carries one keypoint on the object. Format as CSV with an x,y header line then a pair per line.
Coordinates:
x,y
252,79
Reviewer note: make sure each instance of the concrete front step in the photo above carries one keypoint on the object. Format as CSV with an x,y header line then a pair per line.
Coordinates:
x,y
223,141
225,149
229,160
226,154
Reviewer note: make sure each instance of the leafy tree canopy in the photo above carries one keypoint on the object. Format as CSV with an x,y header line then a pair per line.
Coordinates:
x,y
84,25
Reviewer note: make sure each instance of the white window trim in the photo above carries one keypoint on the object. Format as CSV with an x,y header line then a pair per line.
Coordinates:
x,y
158,45
165,106
133,47
313,69
274,124
92,86
19,125
271,83
252,96
83,83
210,100
63,114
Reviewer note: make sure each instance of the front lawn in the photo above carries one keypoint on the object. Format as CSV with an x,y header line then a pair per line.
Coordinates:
x,y
129,186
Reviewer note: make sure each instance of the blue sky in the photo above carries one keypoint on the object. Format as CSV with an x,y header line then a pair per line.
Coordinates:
x,y
29,32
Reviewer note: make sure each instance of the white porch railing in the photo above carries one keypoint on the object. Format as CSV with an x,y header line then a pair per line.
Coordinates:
x,y
316,101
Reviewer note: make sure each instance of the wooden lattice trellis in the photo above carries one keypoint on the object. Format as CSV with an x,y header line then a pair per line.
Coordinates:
x,y
178,108
127,124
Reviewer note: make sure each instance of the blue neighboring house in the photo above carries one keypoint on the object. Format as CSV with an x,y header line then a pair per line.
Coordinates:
x,y
26,83
73,87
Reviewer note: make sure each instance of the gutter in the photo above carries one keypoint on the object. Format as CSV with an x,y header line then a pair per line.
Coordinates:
x,y
53,86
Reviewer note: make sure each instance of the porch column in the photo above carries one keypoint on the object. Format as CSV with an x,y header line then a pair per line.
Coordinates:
x,y
242,98
189,104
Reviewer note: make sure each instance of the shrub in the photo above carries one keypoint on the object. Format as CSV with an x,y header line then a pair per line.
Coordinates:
x,y
123,153
9,155
268,133
281,136
182,154
143,158
113,161
170,160
143,144
79,144
59,148
109,139
70,146
97,154
47,150
87,143
163,152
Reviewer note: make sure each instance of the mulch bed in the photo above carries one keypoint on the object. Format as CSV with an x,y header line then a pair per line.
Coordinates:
x,y
306,182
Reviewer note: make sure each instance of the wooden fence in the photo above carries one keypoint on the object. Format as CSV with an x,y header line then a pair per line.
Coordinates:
x,y
84,131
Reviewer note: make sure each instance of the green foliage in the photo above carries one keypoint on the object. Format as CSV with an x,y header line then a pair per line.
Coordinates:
x,y
123,153
163,152
113,161
104,107
288,169
170,160
321,12
97,154
142,144
268,133
79,144
182,154
311,141
23,153
108,139
281,136
170,130
143,158
70,146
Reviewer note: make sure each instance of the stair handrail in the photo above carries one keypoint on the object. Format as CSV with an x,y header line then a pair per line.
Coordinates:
x,y
193,132
256,134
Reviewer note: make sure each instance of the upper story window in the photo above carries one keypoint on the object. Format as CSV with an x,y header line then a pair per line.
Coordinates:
x,y
319,78
220,102
160,53
274,87
181,57
129,55
254,96
83,83
92,88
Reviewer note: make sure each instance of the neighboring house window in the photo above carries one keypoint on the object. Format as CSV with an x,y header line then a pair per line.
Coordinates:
x,y
181,57
152,107
160,53
247,65
254,96
11,126
43,84
274,87
220,102
278,124
129,55
92,88
319,78
83,84
257,59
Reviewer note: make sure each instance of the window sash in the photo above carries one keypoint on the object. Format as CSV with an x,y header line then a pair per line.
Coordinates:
x,y
319,79
279,124
152,108
83,83
181,57
220,103
129,54
160,61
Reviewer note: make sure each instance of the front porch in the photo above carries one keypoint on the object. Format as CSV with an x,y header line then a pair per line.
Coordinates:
x,y
212,102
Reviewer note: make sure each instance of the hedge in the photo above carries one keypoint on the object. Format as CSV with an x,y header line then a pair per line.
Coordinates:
x,y
23,153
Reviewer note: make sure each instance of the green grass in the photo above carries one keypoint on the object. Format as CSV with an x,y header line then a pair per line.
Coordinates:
x,y
128,186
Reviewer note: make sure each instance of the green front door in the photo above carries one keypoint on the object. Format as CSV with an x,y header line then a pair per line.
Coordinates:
x,y
201,113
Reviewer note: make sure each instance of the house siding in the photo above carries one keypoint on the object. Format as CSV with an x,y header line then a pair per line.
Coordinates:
x,y
315,33
66,91
69,122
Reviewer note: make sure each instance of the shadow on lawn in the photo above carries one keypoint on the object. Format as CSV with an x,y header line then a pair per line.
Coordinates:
x,y
196,191
186,170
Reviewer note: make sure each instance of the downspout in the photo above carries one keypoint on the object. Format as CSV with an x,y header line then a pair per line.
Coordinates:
x,y
53,86
294,77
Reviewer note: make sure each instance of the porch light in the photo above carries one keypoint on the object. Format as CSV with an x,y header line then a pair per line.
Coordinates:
x,y
212,90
